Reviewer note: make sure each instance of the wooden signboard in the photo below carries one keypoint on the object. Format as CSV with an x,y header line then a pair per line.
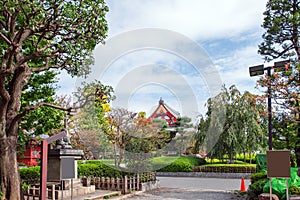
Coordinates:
x,y
278,164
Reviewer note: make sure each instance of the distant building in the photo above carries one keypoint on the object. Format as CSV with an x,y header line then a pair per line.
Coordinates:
x,y
163,111
32,153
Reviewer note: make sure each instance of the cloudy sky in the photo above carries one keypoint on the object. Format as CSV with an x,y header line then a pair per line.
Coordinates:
x,y
178,50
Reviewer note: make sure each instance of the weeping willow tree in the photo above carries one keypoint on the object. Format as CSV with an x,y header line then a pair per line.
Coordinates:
x,y
233,124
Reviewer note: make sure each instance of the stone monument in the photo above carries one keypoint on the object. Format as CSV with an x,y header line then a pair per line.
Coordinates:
x,y
62,162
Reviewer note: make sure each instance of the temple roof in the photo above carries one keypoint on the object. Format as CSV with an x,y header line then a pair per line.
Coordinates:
x,y
164,111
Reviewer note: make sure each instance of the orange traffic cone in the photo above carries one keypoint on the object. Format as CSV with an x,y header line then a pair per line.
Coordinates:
x,y
243,187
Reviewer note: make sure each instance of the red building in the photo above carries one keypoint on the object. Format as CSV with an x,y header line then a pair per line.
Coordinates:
x,y
31,154
165,112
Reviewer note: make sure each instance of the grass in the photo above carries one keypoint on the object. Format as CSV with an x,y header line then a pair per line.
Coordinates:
x,y
164,159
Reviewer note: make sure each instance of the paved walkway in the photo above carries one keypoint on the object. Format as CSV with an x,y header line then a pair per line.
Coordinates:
x,y
187,194
99,194
175,188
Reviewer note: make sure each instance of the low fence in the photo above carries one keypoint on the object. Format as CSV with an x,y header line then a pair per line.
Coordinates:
x,y
33,192
125,184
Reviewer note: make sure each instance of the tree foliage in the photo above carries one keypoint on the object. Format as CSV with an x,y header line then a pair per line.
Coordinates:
x,y
237,128
90,122
134,137
41,87
281,23
281,40
37,36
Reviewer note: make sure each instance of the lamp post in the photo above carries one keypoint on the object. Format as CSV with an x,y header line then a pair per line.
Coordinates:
x,y
259,70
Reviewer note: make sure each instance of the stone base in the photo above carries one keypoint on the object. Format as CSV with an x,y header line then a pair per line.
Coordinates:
x,y
151,185
78,190
266,196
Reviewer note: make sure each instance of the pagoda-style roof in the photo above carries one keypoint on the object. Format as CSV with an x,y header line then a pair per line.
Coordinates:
x,y
165,112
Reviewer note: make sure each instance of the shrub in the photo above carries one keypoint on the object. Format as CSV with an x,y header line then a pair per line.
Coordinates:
x,y
177,166
258,186
98,170
294,190
194,161
30,175
257,176
240,157
258,181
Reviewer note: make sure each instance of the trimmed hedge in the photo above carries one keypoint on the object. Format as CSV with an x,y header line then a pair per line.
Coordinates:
x,y
226,168
182,164
30,175
98,170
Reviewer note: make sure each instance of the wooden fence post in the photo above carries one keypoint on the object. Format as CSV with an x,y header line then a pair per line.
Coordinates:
x,y
97,183
107,183
134,183
138,182
124,183
103,183
113,184
118,184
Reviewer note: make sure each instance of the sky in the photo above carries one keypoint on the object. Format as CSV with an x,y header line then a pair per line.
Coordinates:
x,y
182,51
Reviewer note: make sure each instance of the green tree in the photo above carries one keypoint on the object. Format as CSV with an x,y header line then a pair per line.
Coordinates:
x,y
90,122
285,133
121,129
281,40
37,36
41,87
236,129
184,128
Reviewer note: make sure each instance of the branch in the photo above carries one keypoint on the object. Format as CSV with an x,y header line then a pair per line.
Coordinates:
x,y
31,108
5,38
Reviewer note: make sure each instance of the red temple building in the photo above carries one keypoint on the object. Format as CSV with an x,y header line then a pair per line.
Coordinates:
x,y
165,112
31,154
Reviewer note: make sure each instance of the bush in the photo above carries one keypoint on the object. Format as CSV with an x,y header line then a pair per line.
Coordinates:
x,y
177,164
257,176
258,186
258,181
194,161
240,157
98,170
30,175
294,190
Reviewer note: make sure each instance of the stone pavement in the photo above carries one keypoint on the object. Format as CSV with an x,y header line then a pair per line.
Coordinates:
x,y
99,194
187,194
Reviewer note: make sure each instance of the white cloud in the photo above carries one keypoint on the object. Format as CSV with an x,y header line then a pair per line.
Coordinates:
x,y
194,18
229,30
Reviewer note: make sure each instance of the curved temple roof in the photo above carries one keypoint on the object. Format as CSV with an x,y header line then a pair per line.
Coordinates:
x,y
164,111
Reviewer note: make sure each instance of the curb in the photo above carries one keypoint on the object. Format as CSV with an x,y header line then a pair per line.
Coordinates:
x,y
205,174
126,195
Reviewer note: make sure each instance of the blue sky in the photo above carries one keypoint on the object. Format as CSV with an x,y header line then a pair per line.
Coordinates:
x,y
227,34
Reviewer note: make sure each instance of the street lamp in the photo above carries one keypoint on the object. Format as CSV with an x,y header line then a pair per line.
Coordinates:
x,y
259,70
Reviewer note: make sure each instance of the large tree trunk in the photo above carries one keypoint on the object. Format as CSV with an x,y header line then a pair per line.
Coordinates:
x,y
10,177
10,104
